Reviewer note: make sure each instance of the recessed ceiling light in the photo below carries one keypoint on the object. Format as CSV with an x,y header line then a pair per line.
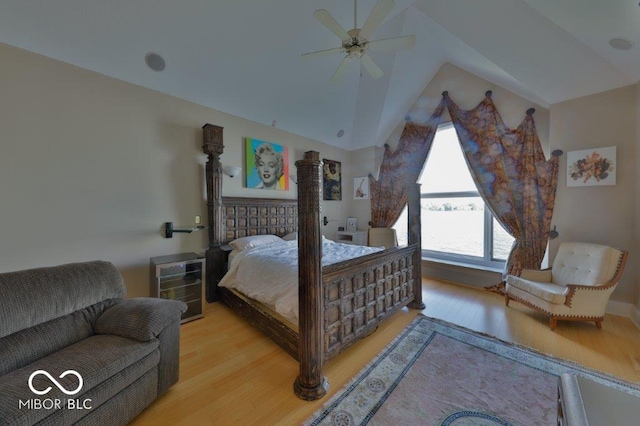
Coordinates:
x,y
340,133
621,43
155,61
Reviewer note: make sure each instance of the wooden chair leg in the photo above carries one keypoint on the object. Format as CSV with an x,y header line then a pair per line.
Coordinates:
x,y
599,323
506,299
552,323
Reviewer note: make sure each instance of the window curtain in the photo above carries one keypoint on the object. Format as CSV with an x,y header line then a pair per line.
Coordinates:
x,y
401,168
510,171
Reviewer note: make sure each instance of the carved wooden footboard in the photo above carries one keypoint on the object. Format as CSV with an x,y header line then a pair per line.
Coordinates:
x,y
360,293
342,302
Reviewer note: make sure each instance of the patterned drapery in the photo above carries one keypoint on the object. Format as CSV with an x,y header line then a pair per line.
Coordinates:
x,y
513,177
401,168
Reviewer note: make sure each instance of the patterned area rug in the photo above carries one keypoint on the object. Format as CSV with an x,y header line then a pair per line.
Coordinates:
x,y
436,373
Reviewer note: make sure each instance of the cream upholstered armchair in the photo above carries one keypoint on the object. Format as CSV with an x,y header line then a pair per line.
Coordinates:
x,y
577,287
383,237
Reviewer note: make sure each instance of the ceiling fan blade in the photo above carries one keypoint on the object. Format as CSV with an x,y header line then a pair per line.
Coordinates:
x,y
343,65
375,18
323,52
328,21
395,43
371,67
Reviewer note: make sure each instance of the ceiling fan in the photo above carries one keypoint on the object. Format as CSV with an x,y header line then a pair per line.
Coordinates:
x,y
356,43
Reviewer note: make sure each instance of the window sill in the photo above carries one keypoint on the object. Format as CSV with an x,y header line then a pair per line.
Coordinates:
x,y
460,272
464,264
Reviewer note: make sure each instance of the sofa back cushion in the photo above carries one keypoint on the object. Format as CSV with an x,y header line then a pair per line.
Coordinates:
x,y
20,349
584,264
35,296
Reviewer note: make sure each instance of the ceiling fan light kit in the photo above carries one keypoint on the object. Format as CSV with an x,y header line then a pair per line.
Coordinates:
x,y
356,43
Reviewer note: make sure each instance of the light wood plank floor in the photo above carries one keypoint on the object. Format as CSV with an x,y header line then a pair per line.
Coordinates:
x,y
232,374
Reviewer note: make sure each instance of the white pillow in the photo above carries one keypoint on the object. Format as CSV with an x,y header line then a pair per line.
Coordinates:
x,y
294,236
290,237
253,241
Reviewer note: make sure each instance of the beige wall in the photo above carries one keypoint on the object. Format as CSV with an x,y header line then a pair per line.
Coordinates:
x,y
91,168
636,246
603,214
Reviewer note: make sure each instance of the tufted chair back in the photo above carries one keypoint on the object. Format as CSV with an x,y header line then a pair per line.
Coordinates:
x,y
585,264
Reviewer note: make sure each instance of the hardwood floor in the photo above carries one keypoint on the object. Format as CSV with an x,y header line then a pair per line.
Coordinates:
x,y
232,374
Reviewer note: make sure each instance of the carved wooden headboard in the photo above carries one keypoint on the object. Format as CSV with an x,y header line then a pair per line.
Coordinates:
x,y
257,216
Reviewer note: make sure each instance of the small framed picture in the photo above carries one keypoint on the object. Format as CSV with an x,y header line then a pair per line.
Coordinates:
x,y
592,167
331,180
352,224
361,188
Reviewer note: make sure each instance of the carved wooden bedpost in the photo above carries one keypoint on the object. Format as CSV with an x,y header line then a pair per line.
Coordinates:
x,y
213,147
415,237
311,383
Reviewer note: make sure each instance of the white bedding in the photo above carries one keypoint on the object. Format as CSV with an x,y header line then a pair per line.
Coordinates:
x,y
269,273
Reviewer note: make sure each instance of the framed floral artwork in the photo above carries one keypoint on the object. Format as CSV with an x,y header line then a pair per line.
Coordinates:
x,y
592,167
331,180
266,165
361,188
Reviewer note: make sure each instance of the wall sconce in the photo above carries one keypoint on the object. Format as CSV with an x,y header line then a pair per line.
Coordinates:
x,y
326,220
169,230
231,171
294,178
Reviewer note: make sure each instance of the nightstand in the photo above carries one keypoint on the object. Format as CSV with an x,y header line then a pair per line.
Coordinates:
x,y
180,277
358,237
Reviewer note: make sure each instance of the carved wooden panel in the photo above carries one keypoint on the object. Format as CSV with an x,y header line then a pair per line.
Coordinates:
x,y
363,294
242,217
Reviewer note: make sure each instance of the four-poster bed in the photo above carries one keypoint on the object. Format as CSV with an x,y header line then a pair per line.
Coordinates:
x,y
339,303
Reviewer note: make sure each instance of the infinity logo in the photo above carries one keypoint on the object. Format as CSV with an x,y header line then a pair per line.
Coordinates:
x,y
55,382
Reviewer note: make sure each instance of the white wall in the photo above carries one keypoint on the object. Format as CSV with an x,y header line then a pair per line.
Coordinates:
x,y
91,168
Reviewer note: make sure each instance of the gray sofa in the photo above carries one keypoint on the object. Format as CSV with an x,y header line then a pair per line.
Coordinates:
x,y
123,353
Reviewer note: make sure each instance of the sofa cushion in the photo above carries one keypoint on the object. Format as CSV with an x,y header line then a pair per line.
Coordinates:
x,y
34,296
26,346
550,292
140,318
96,359
120,409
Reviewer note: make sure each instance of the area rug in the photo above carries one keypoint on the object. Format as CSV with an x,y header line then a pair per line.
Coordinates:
x,y
436,373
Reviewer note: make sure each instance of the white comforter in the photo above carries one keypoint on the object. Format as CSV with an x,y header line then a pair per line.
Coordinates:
x,y
269,273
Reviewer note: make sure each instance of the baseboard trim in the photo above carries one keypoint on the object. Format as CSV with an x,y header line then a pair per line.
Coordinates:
x,y
635,316
624,310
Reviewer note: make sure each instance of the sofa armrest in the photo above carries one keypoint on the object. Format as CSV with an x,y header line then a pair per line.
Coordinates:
x,y
141,318
541,275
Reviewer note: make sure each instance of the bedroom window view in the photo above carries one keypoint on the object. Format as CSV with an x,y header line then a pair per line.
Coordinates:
x,y
456,226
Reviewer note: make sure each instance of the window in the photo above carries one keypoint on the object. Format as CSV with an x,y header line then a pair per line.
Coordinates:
x,y
456,225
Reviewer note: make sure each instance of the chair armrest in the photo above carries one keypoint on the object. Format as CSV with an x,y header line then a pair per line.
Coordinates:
x,y
141,318
591,299
538,275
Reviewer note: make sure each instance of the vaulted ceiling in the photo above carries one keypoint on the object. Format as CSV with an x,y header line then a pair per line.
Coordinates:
x,y
243,56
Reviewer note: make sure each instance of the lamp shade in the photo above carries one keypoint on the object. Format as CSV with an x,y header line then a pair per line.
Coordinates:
x,y
231,171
